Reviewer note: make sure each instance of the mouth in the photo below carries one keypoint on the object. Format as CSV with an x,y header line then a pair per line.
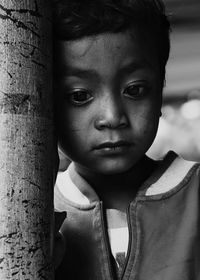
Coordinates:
x,y
113,147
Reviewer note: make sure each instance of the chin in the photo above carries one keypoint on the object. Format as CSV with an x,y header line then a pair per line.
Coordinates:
x,y
114,168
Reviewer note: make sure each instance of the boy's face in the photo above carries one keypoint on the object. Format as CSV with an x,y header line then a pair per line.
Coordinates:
x,y
109,99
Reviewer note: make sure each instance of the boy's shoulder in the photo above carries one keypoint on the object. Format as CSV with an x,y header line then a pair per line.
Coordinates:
x,y
73,191
173,171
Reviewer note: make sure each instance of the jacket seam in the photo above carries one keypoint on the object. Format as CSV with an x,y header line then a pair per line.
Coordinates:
x,y
175,190
137,241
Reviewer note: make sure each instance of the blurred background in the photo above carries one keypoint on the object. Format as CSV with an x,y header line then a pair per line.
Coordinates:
x,y
179,127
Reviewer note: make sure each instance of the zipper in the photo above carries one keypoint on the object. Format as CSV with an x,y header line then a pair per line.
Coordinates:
x,y
105,238
129,242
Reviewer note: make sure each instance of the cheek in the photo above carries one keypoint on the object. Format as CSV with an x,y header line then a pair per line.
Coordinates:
x,y
144,120
72,141
77,122
69,119
74,129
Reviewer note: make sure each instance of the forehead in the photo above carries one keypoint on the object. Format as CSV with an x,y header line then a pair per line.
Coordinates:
x,y
107,52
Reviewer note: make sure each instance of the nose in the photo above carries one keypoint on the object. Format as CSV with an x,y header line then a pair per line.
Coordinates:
x,y
111,114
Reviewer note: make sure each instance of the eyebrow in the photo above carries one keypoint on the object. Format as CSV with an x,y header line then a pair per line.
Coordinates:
x,y
80,73
92,73
136,65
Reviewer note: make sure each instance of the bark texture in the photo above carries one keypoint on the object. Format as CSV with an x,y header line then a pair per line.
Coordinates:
x,y
26,140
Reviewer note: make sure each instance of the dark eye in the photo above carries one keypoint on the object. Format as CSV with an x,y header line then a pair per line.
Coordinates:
x,y
79,97
136,91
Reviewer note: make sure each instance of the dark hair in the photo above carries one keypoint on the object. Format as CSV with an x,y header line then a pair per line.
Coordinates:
x,y
75,19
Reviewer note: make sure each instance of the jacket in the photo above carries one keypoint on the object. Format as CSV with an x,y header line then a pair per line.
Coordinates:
x,y
164,227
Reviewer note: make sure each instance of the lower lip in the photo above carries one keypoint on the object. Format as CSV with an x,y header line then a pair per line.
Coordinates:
x,y
113,150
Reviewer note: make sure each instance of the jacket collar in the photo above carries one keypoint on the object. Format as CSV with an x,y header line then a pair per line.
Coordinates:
x,y
74,188
171,173
168,174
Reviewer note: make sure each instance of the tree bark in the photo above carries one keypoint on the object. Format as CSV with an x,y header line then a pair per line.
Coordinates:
x,y
26,140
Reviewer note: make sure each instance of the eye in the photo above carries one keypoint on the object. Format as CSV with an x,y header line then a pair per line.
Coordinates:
x,y
136,91
79,97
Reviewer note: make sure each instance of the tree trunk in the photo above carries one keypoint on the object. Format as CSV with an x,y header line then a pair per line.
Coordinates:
x,y
26,140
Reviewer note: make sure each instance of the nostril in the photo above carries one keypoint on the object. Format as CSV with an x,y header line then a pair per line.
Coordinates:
x,y
115,123
101,124
111,113
122,125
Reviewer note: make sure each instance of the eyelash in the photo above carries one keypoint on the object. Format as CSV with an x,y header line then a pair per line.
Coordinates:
x,y
138,91
88,97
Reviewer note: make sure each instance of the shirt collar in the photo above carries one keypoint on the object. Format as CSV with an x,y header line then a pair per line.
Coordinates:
x,y
169,173
74,188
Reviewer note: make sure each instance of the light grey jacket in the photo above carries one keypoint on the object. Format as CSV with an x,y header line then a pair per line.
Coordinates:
x,y
164,227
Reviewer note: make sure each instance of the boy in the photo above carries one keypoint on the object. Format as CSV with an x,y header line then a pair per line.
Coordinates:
x,y
128,217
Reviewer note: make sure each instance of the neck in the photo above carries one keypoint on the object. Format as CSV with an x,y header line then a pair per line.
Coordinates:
x,y
118,190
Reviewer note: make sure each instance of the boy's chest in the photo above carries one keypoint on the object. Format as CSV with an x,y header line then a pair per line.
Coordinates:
x,y
163,242
118,235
